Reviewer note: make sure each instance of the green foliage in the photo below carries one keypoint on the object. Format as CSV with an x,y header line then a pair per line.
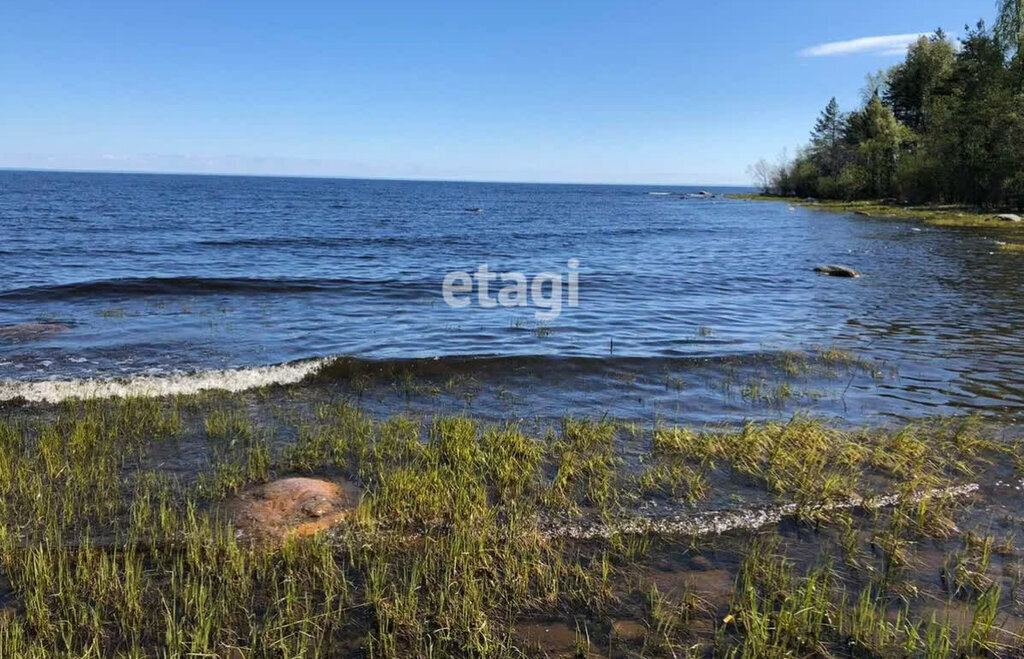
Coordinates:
x,y
879,150
944,126
827,140
461,537
1010,24
913,84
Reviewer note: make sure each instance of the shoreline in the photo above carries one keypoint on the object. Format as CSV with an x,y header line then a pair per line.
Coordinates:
x,y
935,215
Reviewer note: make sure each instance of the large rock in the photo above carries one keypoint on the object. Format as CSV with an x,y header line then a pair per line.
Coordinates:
x,y
836,271
1009,217
292,506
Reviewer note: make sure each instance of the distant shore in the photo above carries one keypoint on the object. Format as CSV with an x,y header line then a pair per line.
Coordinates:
x,y
937,215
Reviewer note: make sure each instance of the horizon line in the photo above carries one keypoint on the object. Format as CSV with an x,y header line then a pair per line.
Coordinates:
x,y
137,172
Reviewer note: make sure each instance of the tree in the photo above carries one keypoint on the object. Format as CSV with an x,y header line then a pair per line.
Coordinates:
x,y
804,177
980,121
912,84
950,128
879,150
875,84
764,175
827,140
1010,24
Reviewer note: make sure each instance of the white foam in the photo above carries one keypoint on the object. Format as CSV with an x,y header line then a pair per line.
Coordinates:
x,y
716,522
55,391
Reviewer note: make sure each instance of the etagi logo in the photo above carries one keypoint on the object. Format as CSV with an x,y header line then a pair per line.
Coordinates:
x,y
543,292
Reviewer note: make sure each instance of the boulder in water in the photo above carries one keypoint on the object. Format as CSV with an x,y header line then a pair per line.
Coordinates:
x,y
836,271
292,506
1009,217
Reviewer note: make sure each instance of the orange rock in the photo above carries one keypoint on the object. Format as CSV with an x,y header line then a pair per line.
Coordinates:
x,y
292,506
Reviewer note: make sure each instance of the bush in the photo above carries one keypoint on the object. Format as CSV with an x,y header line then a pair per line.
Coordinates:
x,y
1013,189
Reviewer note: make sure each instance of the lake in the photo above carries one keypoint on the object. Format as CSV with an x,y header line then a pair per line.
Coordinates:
x,y
698,309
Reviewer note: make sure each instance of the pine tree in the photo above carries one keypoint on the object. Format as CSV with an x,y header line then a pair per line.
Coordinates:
x,y
827,139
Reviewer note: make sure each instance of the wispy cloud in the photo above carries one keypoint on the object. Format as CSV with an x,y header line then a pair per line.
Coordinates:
x,y
888,44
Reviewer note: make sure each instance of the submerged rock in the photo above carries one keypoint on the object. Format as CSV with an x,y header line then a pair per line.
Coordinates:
x,y
701,563
1009,217
30,331
628,630
836,271
292,506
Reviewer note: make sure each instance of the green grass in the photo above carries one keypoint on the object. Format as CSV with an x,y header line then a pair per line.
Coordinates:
x,y
105,553
953,216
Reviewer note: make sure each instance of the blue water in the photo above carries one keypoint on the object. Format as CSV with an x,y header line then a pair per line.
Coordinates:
x,y
111,275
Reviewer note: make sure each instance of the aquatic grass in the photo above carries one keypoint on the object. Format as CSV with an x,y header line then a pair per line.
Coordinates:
x,y
587,463
446,553
937,215
774,613
674,480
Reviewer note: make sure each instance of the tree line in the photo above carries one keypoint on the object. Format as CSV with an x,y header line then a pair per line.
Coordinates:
x,y
946,125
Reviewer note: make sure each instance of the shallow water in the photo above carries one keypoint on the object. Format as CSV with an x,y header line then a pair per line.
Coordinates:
x,y
684,303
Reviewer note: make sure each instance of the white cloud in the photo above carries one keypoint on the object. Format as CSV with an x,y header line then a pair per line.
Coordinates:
x,y
889,44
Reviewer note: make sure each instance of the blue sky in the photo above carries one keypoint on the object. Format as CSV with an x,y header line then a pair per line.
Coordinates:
x,y
596,91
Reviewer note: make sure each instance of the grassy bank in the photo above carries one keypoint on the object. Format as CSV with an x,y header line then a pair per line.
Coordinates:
x,y
455,546
951,216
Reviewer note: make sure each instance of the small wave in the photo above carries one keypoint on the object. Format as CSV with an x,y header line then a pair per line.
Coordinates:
x,y
333,369
278,241
321,242
136,287
55,391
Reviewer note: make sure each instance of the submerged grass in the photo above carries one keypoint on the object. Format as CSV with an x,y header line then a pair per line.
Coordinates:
x,y
104,554
952,216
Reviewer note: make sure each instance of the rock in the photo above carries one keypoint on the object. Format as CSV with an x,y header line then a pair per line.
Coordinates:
x,y
836,271
292,506
864,213
30,331
1009,217
628,630
701,563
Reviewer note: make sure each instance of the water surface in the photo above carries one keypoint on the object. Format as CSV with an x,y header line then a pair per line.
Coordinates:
x,y
690,301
